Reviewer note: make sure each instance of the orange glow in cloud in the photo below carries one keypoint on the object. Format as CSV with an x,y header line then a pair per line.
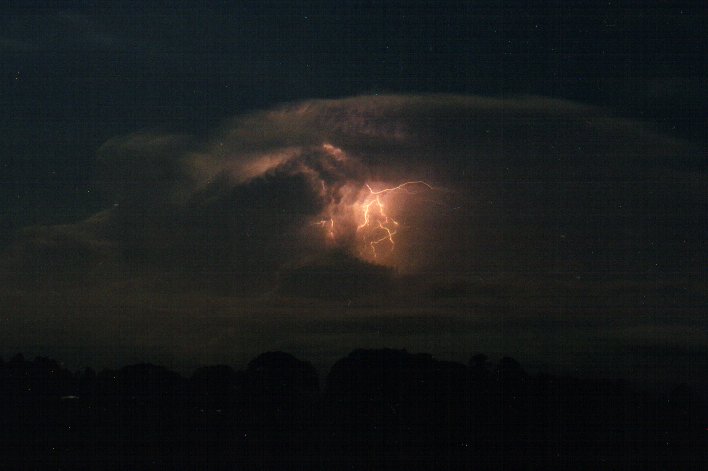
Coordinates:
x,y
377,227
360,217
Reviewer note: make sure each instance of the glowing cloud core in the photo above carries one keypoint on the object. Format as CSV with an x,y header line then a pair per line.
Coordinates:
x,y
361,218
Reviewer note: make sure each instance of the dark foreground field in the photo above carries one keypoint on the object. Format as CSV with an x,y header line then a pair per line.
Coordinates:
x,y
380,409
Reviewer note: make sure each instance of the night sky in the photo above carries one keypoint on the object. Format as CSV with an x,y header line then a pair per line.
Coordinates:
x,y
188,182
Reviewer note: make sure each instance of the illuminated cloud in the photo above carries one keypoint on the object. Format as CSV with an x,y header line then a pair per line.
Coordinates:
x,y
524,185
542,226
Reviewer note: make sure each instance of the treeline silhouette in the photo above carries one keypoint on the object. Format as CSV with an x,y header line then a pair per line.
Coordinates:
x,y
377,409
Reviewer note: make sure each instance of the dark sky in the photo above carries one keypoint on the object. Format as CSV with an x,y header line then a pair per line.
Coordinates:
x,y
150,207
77,73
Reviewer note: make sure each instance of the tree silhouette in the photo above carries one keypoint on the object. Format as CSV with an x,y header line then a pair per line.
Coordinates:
x,y
381,409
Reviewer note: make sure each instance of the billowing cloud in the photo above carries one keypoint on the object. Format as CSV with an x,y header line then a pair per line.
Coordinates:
x,y
525,185
418,221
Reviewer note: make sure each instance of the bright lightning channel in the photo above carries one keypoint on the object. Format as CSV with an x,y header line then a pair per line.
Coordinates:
x,y
384,227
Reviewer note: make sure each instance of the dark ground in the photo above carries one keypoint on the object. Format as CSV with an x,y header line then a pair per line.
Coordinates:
x,y
378,409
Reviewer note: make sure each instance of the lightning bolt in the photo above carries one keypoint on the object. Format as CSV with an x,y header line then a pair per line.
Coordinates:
x,y
361,213
400,187
384,227
327,224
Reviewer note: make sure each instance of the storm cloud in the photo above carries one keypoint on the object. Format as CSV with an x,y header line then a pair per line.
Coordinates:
x,y
527,202
520,185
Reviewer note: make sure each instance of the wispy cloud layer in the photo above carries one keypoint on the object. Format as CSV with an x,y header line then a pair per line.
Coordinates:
x,y
528,202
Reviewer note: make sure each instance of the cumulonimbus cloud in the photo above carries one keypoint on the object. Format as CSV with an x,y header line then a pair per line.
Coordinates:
x,y
522,185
